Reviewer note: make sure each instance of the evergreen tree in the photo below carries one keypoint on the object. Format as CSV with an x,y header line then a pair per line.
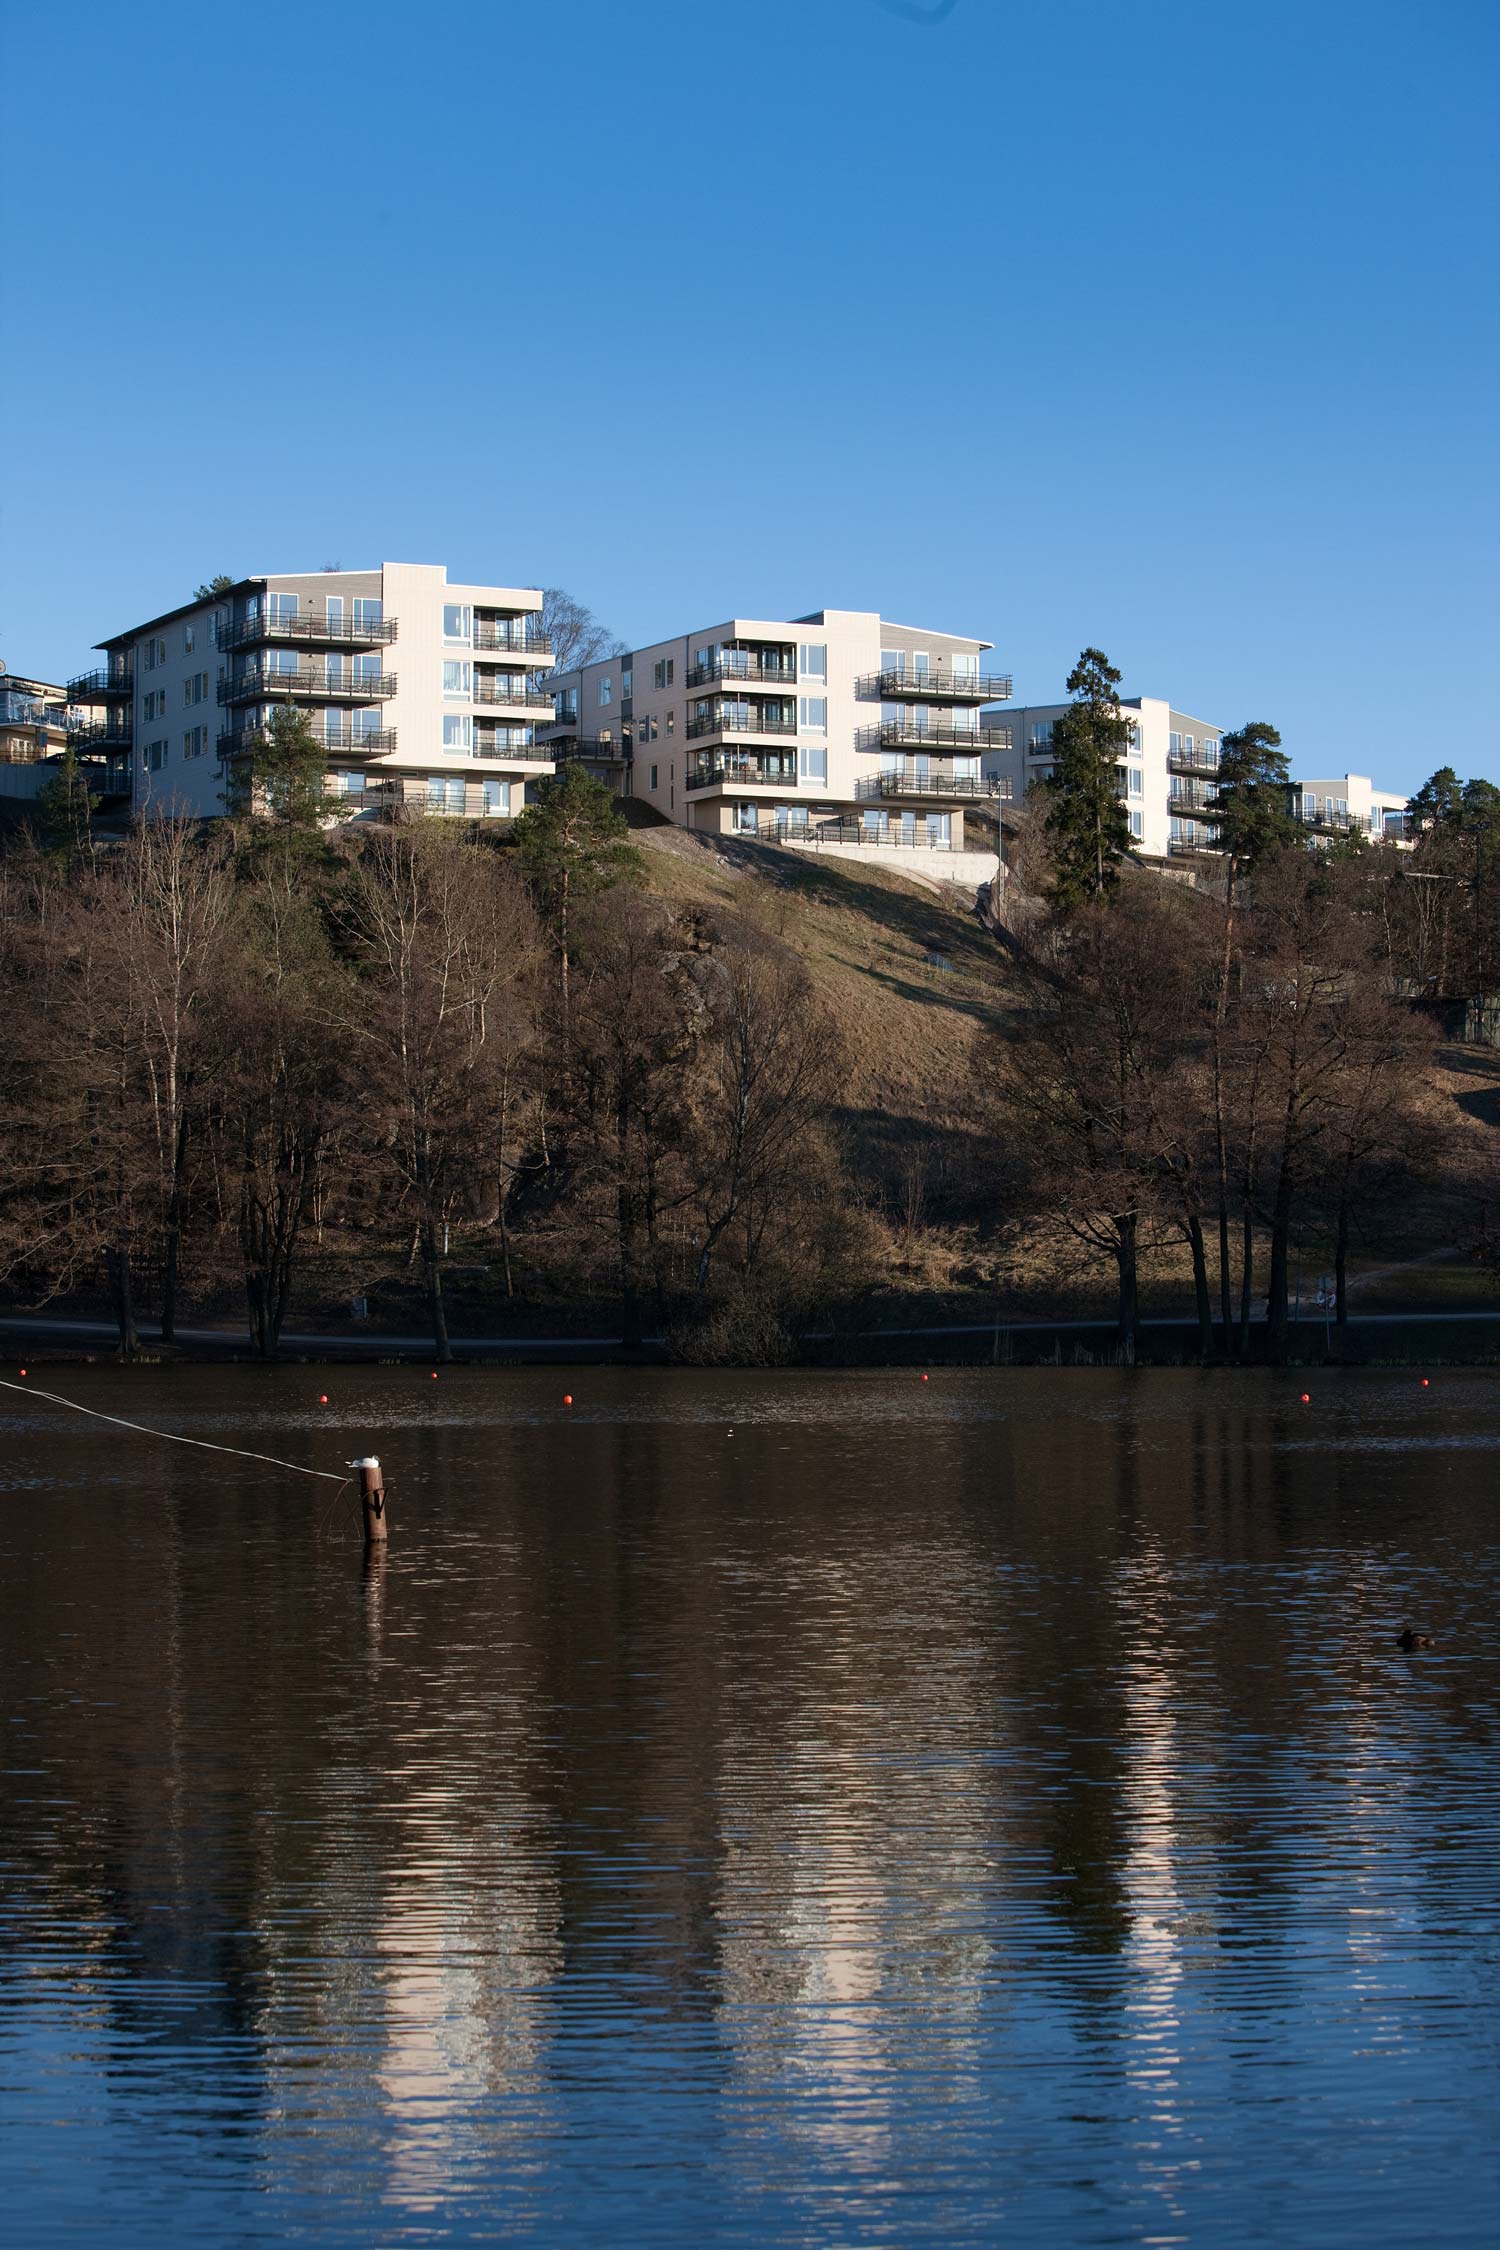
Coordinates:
x,y
1087,824
1439,800
572,842
65,809
1252,817
285,778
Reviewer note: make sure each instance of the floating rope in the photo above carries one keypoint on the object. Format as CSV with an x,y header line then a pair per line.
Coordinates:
x,y
29,1390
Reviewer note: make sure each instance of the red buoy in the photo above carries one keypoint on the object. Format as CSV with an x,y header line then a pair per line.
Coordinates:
x,y
322,1398
567,1398
924,1378
1424,1379
1306,1398
434,1374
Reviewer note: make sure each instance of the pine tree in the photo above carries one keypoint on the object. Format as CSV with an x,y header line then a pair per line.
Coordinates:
x,y
1252,817
1087,824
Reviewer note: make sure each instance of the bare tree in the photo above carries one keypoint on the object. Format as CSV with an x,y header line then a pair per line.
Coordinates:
x,y
576,634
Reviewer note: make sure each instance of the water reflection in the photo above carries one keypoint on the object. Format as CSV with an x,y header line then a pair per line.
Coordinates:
x,y
1002,1797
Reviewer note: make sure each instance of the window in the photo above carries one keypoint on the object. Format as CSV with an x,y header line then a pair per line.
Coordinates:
x,y
647,729
364,724
890,660
189,638
458,677
149,704
812,659
566,704
458,621
627,686
1187,745
497,798
458,734
606,691
444,796
1137,823
965,667
1136,783
366,666
654,782
366,610
671,722
815,766
940,829
154,756
281,661
747,818
195,742
194,690
813,713
351,784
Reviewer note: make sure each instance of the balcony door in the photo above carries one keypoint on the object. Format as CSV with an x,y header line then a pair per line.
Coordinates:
x,y
334,609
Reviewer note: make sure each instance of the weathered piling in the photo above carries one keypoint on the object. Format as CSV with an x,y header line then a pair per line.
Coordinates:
x,y
372,1494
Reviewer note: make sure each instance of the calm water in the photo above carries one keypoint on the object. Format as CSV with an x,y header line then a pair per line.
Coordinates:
x,y
790,1810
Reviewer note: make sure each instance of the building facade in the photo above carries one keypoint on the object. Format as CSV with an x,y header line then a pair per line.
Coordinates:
x,y
1166,776
424,693
838,727
1350,803
33,719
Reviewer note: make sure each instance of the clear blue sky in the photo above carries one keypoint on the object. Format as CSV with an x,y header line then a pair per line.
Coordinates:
x,y
1159,324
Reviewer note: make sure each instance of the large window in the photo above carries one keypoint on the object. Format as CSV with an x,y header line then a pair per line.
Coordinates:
x,y
1137,823
747,818
366,610
815,765
458,734
458,621
606,691
444,796
812,660
497,797
813,713
458,677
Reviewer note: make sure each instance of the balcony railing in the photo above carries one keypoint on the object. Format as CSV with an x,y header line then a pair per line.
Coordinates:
x,y
857,831
912,734
518,639
309,629
243,742
731,665
940,684
98,687
602,749
310,683
749,721
113,733
778,773
1191,796
529,753
517,698
1191,761
959,787
17,710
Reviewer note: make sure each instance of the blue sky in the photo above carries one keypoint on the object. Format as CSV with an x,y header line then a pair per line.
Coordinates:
x,y
1168,327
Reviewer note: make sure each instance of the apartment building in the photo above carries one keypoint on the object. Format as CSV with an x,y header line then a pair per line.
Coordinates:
x,y
1166,776
424,693
1350,803
33,719
838,728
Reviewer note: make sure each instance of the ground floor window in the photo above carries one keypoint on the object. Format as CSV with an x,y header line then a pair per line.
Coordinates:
x,y
444,796
497,798
747,818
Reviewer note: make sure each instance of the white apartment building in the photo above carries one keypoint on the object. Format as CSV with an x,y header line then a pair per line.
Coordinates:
x,y
1350,801
839,728
1166,777
420,690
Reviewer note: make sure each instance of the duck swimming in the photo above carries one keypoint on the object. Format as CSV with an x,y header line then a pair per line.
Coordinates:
x,y
1409,1640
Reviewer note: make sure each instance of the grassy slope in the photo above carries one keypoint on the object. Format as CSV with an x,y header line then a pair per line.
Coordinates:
x,y
908,1028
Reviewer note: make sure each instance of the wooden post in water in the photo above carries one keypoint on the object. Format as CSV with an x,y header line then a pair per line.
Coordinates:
x,y
372,1493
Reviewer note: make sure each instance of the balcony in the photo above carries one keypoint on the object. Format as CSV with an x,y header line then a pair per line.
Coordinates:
x,y
309,629
1191,761
493,746
596,749
938,784
742,719
496,692
742,666
748,773
309,683
511,637
931,734
100,686
939,684
243,742
1191,796
113,733
20,710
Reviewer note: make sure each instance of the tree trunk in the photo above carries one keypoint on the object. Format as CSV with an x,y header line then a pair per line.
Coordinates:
x,y
1200,1290
1126,1258
442,1350
1247,1279
171,1253
1341,1262
117,1265
1277,1291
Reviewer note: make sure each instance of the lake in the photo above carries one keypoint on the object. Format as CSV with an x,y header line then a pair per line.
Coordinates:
x,y
775,1809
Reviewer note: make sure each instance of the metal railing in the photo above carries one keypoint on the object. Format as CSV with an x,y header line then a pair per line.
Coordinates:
x,y
104,734
313,628
940,684
729,665
601,747
1190,761
243,742
1192,796
99,686
17,710
856,832
751,722
706,773
523,698
966,788
904,734
517,639
310,681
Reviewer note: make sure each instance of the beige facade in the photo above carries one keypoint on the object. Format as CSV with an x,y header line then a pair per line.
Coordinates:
x,y
422,691
1351,802
33,719
839,725
1166,780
